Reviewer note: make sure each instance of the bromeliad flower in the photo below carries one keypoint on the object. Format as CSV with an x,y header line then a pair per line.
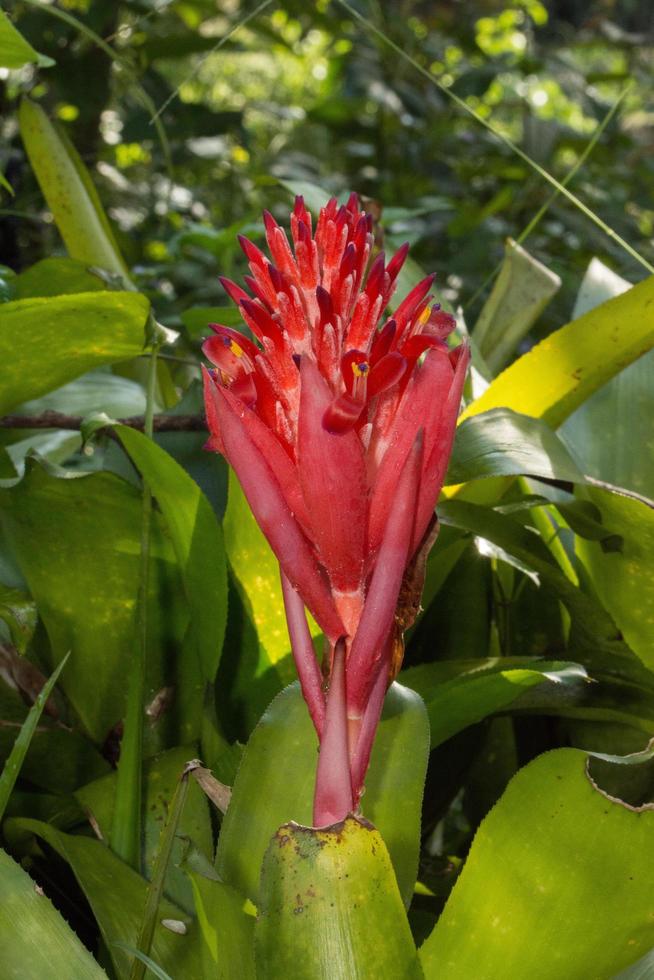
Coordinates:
x,y
339,424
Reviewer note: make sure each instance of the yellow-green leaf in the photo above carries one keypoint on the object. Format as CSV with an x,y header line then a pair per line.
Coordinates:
x,y
69,192
556,884
45,342
331,907
36,942
15,51
557,375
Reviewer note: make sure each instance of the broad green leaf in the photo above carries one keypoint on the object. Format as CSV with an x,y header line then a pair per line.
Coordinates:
x,y
555,884
520,293
15,51
161,775
227,930
461,693
620,410
46,342
69,192
443,636
56,809
623,580
36,942
330,907
561,372
14,763
77,541
449,547
56,277
197,539
116,895
279,766
502,442
617,702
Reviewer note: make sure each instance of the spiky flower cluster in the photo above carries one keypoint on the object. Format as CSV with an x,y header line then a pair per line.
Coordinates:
x,y
339,423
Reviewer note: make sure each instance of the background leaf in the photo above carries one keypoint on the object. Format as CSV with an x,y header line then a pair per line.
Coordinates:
x,y
620,408
198,541
624,582
15,51
520,293
161,775
46,342
69,192
77,542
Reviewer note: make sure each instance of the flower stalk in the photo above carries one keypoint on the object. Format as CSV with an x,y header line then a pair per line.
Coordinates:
x,y
339,422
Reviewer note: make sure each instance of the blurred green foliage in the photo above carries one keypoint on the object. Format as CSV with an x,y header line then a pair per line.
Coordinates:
x,y
306,92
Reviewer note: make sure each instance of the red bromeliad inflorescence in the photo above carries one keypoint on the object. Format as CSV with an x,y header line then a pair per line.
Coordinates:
x,y
339,423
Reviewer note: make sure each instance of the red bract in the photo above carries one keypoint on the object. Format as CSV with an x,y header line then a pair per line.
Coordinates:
x,y
339,424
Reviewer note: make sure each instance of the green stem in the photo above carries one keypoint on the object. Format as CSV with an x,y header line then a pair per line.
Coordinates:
x,y
126,827
161,862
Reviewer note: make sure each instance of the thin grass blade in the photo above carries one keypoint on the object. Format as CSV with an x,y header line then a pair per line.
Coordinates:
x,y
15,761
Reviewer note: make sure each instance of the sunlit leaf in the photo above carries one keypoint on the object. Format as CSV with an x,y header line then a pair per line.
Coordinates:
x,y
227,930
620,409
69,192
257,624
554,884
15,51
561,372
45,342
56,277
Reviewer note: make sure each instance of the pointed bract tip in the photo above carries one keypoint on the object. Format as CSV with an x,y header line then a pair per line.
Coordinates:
x,y
269,221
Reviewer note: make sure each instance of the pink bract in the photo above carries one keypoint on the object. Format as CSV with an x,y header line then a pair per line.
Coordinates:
x,y
339,423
